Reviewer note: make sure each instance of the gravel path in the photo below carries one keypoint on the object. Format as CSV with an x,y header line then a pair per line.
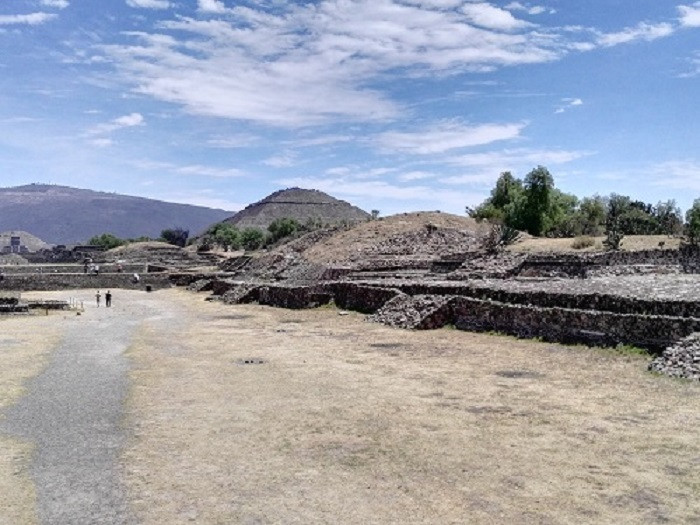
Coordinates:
x,y
72,414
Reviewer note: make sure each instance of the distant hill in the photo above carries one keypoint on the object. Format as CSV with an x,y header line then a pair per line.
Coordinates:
x,y
298,204
64,215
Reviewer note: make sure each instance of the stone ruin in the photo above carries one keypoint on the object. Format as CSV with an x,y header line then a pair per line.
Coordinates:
x,y
648,299
433,277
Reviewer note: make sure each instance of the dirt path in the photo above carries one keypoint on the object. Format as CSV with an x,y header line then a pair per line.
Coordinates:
x,y
72,412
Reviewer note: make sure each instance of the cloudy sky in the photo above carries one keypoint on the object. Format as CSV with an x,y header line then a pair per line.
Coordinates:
x,y
395,105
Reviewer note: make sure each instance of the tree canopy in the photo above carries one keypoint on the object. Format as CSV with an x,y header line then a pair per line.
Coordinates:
x,y
535,205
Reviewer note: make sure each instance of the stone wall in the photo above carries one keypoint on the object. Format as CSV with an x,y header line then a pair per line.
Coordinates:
x,y
58,281
550,299
572,326
555,322
68,268
685,259
359,298
295,297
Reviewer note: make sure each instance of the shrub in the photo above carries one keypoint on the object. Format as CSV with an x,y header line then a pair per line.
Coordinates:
x,y
499,237
582,241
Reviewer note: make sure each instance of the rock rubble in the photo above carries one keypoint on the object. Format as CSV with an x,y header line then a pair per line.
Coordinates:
x,y
681,359
423,312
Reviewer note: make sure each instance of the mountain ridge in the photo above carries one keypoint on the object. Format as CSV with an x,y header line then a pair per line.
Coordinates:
x,y
65,215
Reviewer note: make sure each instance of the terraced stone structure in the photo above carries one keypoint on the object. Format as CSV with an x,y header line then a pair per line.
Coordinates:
x,y
301,205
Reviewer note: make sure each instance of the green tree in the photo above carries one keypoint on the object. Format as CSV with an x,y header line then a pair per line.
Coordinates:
x,y
669,218
591,215
252,238
177,236
280,228
692,223
618,206
106,240
223,234
539,188
505,203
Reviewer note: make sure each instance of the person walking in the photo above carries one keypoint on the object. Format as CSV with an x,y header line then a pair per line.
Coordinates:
x,y
98,296
108,299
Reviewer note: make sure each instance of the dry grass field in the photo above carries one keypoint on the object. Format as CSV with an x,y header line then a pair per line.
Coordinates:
x,y
254,415
257,415
24,351
629,243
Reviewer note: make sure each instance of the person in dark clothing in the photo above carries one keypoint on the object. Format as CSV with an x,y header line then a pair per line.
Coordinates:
x,y
108,299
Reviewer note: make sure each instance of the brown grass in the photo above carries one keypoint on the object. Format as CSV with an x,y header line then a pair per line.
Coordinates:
x,y
350,422
346,244
629,243
25,344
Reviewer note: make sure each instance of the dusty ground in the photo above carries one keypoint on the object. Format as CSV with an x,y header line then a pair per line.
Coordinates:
x,y
250,415
629,243
334,420
23,354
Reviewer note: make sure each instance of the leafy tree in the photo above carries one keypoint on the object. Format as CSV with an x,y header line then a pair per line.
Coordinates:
x,y
617,207
106,240
505,203
561,219
669,218
252,238
223,234
692,223
280,228
591,215
539,188
177,236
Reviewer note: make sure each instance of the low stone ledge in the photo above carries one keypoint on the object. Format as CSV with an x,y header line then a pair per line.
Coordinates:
x,y
49,282
572,326
294,297
359,298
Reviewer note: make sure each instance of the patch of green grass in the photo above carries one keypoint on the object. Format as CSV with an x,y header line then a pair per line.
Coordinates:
x,y
631,350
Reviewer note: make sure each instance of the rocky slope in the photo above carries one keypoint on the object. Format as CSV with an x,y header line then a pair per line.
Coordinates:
x,y
301,205
64,215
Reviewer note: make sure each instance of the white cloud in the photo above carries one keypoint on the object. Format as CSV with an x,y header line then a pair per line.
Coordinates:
x,y
330,71
283,160
694,67
58,4
102,142
188,169
690,15
491,17
679,174
126,121
515,159
211,6
641,31
447,136
31,19
568,103
240,140
415,175
149,4
530,9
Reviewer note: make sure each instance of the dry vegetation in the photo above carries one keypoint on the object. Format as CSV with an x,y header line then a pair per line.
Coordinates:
x,y
629,243
334,420
25,345
257,415
347,244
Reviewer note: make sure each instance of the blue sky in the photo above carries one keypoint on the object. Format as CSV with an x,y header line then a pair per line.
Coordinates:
x,y
396,105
